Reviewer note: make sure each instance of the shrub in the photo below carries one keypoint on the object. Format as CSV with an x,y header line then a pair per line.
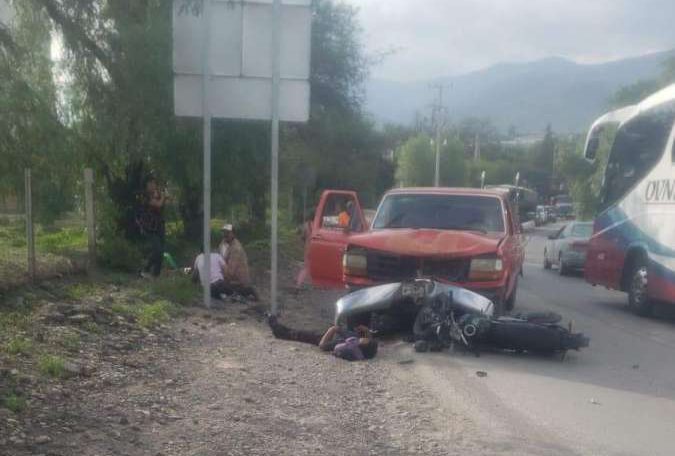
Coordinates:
x,y
19,345
178,289
14,402
119,254
52,366
71,342
156,313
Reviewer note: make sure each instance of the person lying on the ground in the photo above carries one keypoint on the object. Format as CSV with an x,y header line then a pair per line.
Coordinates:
x,y
236,272
349,345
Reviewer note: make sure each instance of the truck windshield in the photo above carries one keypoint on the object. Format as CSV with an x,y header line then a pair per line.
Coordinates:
x,y
443,212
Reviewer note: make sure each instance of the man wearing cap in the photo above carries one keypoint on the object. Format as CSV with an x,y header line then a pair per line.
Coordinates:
x,y
236,272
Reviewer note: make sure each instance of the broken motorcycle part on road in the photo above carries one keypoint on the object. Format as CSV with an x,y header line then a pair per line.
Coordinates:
x,y
443,316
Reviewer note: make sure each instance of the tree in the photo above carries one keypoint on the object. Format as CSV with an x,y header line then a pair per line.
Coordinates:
x,y
416,163
31,132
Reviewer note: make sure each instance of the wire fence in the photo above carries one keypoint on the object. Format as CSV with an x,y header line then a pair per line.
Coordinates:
x,y
34,247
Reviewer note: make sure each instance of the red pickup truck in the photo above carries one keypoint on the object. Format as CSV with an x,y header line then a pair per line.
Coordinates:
x,y
463,236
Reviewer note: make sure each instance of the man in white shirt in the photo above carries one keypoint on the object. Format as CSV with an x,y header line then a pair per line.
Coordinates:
x,y
216,281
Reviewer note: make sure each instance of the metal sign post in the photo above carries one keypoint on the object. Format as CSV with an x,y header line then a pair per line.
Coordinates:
x,y
206,112
255,65
276,79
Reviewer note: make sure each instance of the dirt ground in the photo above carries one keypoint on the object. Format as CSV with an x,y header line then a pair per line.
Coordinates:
x,y
216,382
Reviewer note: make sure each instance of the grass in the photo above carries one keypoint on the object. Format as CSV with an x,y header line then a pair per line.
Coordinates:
x,y
176,288
122,309
62,241
15,321
52,366
91,327
79,291
154,314
52,249
14,402
71,342
19,346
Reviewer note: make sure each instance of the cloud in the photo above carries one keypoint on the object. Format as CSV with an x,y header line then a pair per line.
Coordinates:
x,y
445,37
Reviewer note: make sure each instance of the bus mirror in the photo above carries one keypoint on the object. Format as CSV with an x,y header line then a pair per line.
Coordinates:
x,y
592,148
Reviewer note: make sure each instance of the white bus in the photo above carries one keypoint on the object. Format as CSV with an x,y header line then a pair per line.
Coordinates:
x,y
633,243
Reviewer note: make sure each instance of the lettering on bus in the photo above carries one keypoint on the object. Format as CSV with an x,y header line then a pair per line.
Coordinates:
x,y
660,191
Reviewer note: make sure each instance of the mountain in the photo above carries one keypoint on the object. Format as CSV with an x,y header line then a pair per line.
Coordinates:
x,y
528,96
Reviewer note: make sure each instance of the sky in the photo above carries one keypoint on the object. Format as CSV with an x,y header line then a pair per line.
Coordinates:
x,y
433,38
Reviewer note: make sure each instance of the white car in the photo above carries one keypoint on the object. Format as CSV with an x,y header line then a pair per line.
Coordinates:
x,y
567,247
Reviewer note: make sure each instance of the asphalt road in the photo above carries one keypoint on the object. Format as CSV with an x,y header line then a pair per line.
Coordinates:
x,y
616,397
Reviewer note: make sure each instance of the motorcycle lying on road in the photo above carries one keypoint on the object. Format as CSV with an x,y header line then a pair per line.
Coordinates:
x,y
447,316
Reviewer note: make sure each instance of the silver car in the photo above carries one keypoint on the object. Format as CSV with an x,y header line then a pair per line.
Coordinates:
x,y
567,247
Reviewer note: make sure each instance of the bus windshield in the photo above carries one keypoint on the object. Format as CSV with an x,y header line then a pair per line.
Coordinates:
x,y
638,146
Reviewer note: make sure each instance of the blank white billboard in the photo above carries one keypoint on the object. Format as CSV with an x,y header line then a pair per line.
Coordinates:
x,y
240,59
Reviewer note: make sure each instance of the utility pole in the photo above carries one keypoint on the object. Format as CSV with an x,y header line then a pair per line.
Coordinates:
x,y
437,115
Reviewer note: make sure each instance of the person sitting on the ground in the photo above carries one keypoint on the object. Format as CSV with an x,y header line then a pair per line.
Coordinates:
x,y
216,280
236,272
349,345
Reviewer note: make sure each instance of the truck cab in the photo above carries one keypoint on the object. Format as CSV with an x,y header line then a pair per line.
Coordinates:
x,y
461,236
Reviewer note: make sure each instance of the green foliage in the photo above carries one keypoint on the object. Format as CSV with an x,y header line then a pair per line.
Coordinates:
x,y
15,321
70,341
118,253
122,309
14,402
31,132
52,366
91,327
416,162
80,291
175,288
585,179
19,345
62,241
154,314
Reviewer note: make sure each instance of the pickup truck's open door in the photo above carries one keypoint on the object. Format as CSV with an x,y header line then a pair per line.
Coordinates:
x,y
338,215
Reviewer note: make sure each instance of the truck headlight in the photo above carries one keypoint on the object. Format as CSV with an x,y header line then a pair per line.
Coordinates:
x,y
486,269
355,262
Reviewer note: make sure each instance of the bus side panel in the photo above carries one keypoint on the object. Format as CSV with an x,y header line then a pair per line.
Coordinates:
x,y
607,249
662,278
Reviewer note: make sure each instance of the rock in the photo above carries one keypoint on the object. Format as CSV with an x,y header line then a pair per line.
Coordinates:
x,y
79,318
42,439
55,317
72,369
16,441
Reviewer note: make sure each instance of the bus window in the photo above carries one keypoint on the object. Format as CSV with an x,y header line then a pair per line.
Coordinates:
x,y
638,146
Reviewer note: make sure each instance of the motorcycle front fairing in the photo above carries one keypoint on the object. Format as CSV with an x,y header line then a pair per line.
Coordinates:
x,y
414,293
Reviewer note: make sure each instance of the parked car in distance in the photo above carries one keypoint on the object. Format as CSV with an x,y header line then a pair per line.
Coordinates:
x,y
564,207
462,236
551,214
540,217
567,247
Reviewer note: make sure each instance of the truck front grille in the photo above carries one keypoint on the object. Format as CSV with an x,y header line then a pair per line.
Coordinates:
x,y
388,267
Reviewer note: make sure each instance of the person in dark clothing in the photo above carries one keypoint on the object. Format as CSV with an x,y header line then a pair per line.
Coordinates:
x,y
151,224
349,345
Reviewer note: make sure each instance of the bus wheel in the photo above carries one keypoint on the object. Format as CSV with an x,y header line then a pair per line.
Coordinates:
x,y
638,297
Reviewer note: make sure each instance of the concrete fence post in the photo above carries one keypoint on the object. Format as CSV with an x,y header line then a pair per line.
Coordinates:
x,y
90,211
30,232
